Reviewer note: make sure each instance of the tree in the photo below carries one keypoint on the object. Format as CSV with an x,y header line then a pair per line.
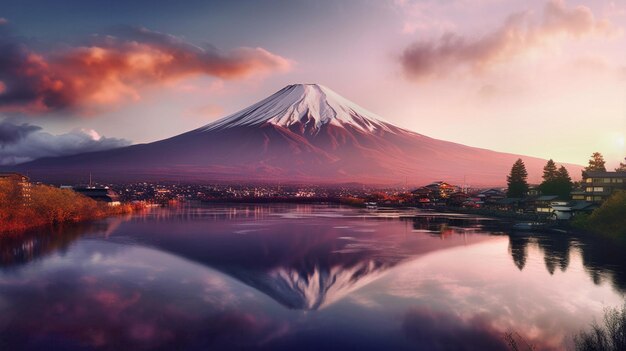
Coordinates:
x,y
622,166
609,336
517,180
549,171
563,183
607,220
556,181
596,163
548,185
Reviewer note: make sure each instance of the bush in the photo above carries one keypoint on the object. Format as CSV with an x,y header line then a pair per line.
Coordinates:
x,y
48,206
608,337
609,219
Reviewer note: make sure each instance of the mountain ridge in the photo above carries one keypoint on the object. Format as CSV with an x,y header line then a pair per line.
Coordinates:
x,y
303,133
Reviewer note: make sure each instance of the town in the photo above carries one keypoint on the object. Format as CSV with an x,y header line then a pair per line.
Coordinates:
x,y
556,198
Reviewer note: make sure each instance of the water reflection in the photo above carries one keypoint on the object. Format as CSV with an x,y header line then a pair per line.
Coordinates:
x,y
279,259
602,258
19,249
285,277
436,330
307,266
104,296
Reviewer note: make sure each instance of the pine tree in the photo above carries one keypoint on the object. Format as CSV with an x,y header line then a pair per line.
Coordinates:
x,y
548,186
563,183
596,163
517,180
549,171
621,167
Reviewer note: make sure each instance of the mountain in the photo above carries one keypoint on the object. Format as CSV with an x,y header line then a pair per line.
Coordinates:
x,y
302,133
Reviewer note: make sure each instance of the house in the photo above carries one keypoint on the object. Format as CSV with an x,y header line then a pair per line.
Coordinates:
x,y
458,199
578,195
423,195
22,181
509,204
543,204
490,197
598,185
534,190
442,190
564,211
103,194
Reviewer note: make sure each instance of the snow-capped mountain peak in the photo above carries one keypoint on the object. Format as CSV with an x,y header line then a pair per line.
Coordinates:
x,y
308,105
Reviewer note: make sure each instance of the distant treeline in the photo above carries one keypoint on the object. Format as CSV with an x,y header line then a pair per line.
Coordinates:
x,y
23,207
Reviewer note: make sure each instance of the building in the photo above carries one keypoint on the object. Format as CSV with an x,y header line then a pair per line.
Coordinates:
x,y
437,193
458,199
567,210
103,194
23,183
534,190
578,195
543,204
442,190
512,204
490,197
598,185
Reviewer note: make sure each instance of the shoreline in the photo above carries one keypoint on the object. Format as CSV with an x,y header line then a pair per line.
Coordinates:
x,y
36,226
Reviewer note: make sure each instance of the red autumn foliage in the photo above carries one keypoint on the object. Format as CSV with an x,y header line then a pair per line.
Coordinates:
x,y
43,205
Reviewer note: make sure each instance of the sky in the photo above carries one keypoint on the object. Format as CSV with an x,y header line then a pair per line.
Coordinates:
x,y
538,78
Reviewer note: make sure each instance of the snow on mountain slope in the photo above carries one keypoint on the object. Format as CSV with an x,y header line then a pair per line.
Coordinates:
x,y
311,105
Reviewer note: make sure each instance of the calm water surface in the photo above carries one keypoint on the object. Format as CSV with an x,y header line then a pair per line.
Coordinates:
x,y
301,277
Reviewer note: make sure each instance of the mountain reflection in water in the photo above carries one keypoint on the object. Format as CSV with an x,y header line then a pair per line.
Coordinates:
x,y
181,278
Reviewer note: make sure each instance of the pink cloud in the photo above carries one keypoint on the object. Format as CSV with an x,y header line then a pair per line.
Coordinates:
x,y
113,69
519,34
210,110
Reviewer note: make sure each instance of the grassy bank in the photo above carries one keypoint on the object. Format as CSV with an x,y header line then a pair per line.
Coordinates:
x,y
48,206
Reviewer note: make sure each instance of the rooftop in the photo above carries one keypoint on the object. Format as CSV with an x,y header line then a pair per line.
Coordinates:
x,y
601,174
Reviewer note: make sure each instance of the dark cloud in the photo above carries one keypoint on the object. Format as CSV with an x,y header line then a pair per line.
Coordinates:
x,y
11,133
25,142
113,68
519,34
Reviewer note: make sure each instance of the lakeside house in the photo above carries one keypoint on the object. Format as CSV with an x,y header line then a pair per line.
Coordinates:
x,y
598,185
103,194
435,192
567,210
543,203
511,204
490,197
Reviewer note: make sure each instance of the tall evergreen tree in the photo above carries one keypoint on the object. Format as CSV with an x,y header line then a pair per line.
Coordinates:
x,y
563,183
596,163
517,180
548,185
621,167
549,171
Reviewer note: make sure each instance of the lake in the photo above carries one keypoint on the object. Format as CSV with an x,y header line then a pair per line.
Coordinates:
x,y
301,277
